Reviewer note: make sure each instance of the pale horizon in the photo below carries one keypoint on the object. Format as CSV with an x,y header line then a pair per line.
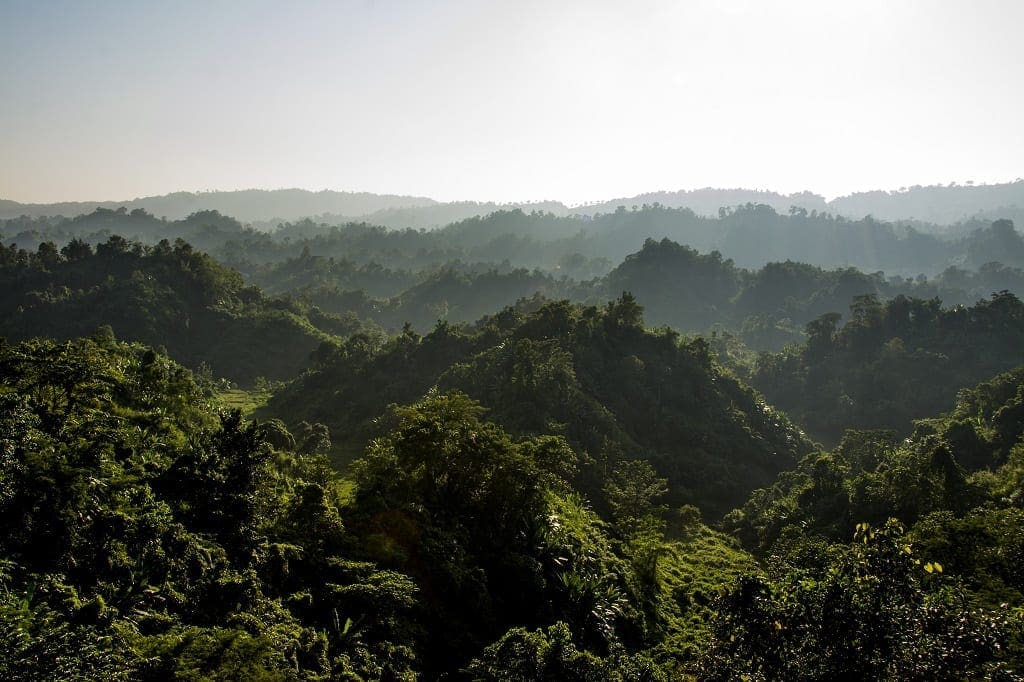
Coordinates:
x,y
507,102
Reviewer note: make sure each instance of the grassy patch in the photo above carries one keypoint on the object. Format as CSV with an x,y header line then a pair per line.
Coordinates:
x,y
246,401
694,572
346,491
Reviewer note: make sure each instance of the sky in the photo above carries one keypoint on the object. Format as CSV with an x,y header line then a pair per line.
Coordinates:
x,y
523,100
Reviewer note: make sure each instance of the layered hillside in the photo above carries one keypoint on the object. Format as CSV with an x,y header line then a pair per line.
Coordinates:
x,y
166,295
593,374
891,363
144,534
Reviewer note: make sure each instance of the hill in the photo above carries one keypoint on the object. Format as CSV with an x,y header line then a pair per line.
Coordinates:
x,y
166,295
891,363
246,205
940,205
615,390
145,535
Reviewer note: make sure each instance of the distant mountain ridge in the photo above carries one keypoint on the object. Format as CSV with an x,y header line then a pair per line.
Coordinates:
x,y
937,204
247,205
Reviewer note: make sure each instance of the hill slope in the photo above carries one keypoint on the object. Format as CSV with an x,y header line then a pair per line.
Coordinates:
x,y
592,374
170,296
891,363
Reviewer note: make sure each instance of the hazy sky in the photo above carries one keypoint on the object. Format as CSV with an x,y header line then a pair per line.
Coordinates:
x,y
556,99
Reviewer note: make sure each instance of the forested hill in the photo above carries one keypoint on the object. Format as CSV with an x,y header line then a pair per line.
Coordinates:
x,y
166,295
751,235
941,205
891,363
145,536
176,296
578,246
935,203
678,286
957,478
505,511
950,494
592,374
693,291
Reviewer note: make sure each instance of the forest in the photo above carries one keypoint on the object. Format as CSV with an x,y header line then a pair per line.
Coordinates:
x,y
398,439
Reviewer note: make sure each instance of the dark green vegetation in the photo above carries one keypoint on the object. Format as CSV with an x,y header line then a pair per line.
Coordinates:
x,y
769,307
758,273
751,234
957,487
144,536
521,497
891,363
591,374
954,470
165,295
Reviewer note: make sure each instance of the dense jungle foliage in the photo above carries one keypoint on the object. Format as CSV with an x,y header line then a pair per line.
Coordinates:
x,y
911,235
473,467
167,295
891,362
325,273
146,536
594,375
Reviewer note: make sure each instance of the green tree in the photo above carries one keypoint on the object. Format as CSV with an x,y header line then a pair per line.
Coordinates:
x,y
632,491
876,611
